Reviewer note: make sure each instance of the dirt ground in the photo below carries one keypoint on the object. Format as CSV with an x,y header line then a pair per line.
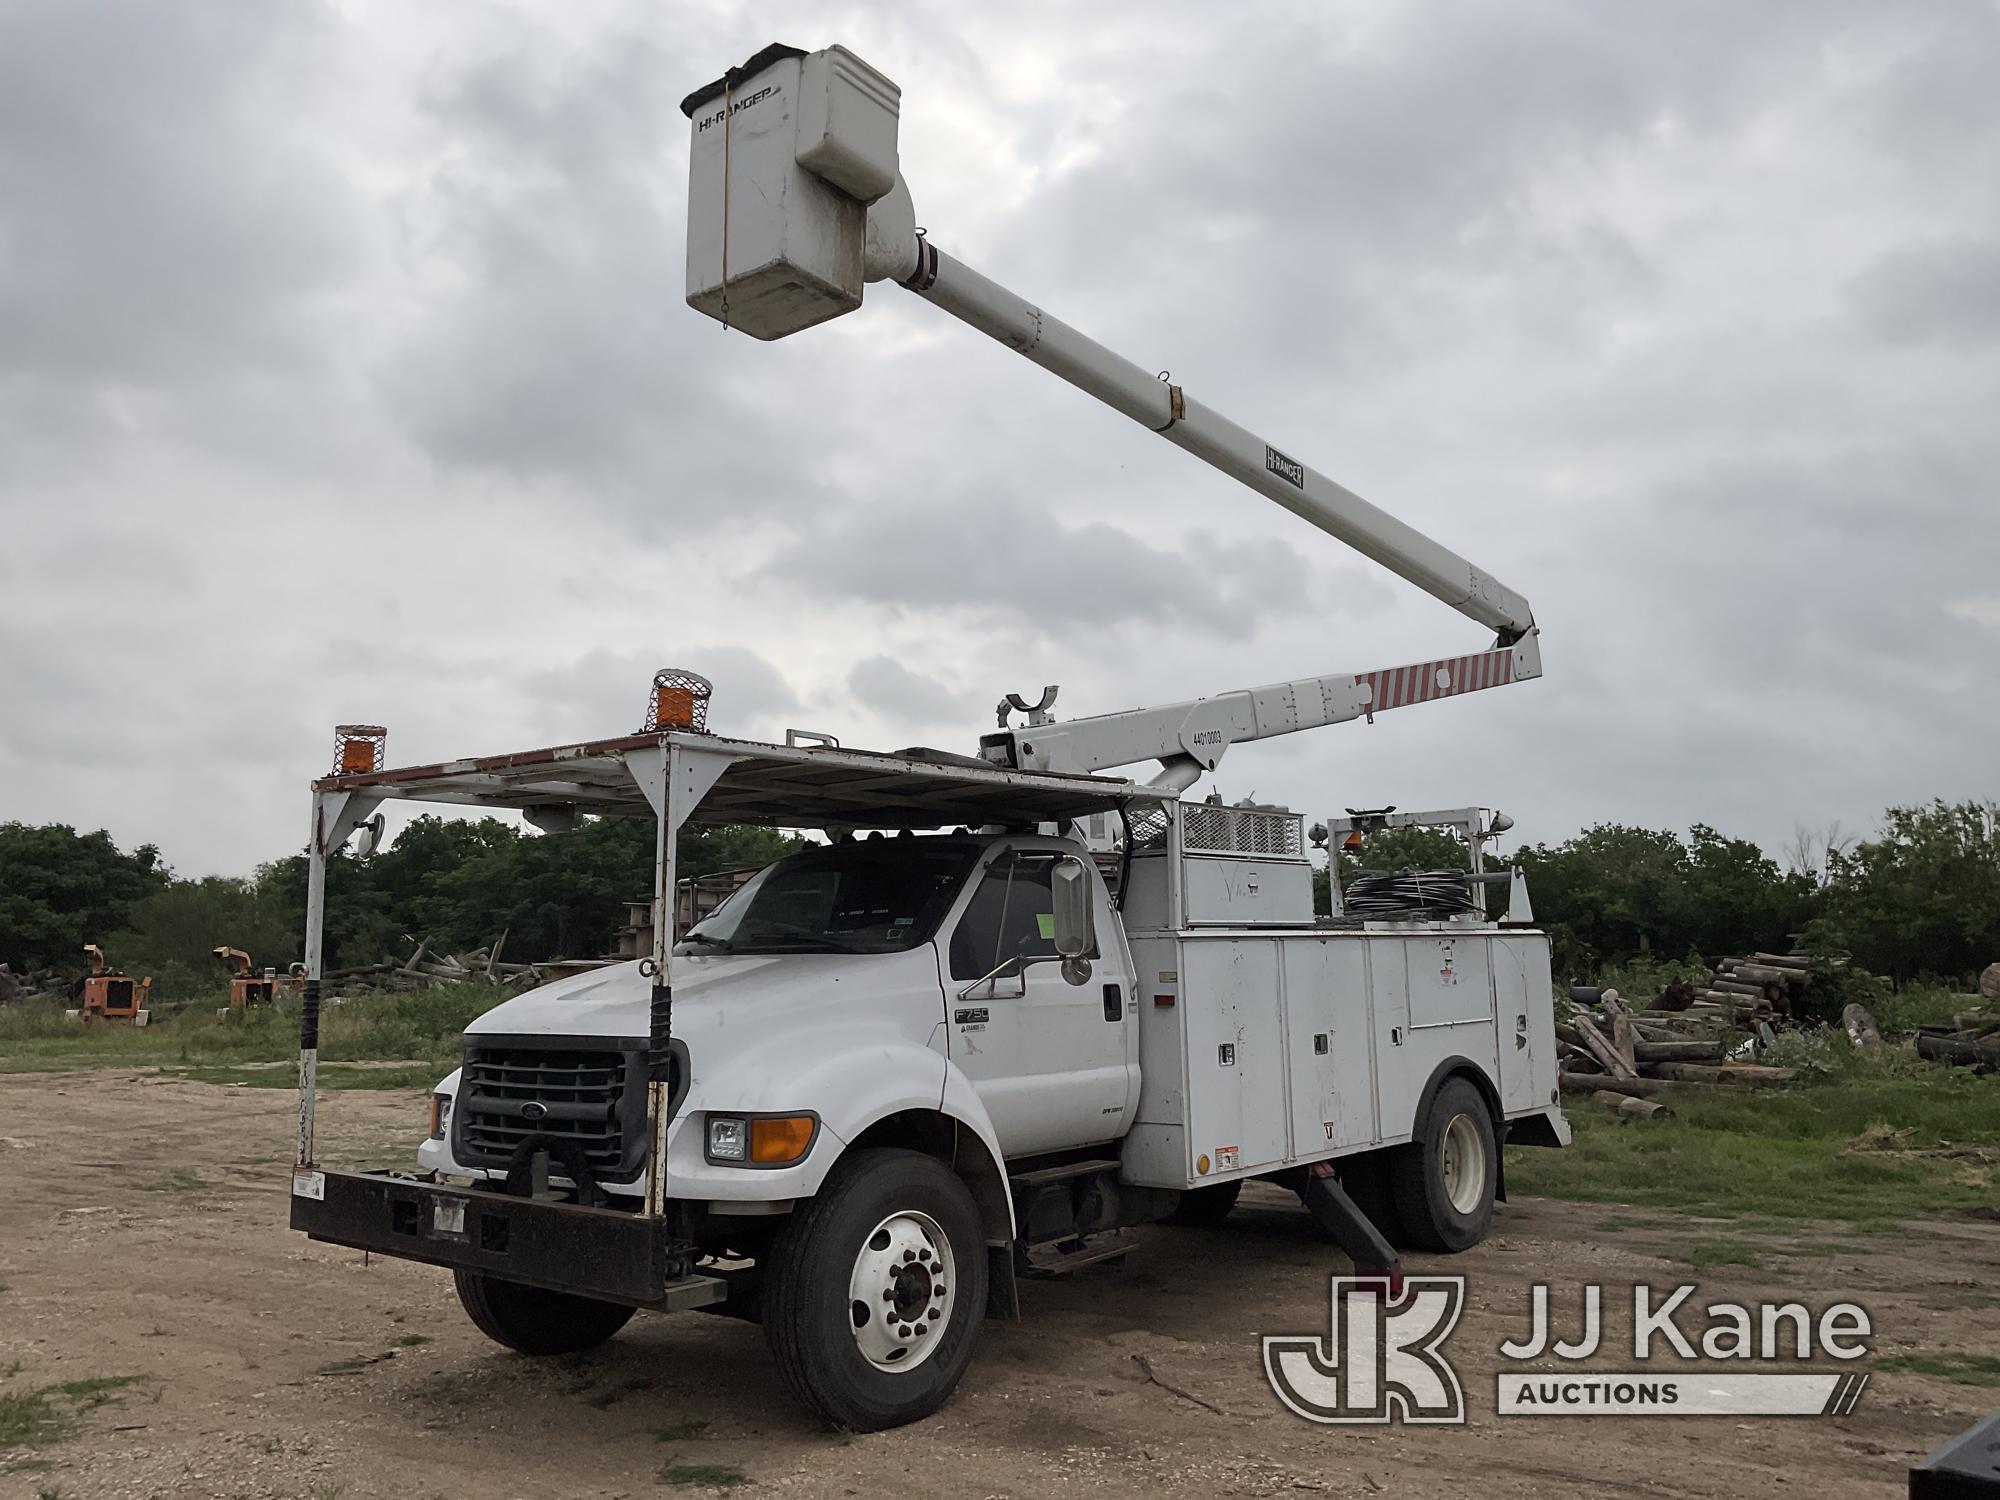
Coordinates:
x,y
142,1233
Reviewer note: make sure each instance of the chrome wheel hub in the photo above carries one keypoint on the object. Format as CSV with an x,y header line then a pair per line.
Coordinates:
x,y
902,1291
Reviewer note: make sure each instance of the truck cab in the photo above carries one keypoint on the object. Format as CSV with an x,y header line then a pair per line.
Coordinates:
x,y
842,985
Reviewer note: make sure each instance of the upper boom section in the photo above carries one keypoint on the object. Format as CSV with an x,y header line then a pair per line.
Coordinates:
x,y
795,202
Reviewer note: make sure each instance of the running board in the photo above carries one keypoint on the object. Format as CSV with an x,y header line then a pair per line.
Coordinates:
x,y
1043,1176
1054,1258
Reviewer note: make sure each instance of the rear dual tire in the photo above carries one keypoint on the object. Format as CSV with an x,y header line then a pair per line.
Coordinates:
x,y
1443,1183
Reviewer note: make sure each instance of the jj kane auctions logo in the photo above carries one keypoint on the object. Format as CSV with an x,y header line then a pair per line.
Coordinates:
x,y
1383,1358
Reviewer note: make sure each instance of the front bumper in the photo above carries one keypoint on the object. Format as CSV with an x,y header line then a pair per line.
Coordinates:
x,y
609,1254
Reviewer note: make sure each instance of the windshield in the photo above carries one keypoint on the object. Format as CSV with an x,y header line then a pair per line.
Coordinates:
x,y
881,896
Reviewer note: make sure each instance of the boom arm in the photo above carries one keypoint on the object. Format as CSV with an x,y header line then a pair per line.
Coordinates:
x,y
1217,441
795,201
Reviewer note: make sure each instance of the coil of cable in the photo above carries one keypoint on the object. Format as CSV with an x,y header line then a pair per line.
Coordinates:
x,y
1409,895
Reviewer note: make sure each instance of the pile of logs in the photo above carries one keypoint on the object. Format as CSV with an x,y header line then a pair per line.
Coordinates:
x,y
1624,1058
424,971
36,984
1764,982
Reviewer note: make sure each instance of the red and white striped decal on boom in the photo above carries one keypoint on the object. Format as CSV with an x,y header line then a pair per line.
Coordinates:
x,y
1420,682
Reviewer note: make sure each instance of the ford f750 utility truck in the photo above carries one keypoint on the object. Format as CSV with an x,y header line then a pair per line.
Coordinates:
x,y
1016,1003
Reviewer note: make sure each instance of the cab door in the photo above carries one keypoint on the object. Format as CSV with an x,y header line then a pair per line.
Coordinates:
x,y
1053,1062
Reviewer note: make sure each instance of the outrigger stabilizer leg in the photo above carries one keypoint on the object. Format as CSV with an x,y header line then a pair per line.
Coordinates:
x,y
1351,1229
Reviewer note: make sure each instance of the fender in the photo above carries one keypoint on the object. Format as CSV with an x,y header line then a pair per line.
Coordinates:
x,y
958,1102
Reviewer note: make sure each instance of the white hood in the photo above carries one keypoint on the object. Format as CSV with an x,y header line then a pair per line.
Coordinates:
x,y
713,994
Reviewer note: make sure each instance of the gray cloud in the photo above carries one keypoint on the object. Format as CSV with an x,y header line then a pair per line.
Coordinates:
x,y
344,373
1943,294
900,694
1019,559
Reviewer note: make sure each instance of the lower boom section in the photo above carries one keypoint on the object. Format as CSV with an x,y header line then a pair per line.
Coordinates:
x,y
604,1253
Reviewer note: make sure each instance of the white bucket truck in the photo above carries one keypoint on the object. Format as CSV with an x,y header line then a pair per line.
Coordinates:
x,y
959,1041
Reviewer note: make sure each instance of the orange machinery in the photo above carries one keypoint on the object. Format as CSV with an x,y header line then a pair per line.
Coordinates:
x,y
111,996
249,985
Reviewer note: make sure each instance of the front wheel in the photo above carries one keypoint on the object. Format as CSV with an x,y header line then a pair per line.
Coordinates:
x,y
875,1291
1444,1181
536,1321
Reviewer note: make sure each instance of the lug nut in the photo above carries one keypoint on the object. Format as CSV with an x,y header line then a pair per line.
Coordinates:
x,y
909,1255
889,1295
938,1290
903,1331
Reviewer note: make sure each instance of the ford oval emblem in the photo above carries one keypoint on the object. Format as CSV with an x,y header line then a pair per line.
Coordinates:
x,y
534,1109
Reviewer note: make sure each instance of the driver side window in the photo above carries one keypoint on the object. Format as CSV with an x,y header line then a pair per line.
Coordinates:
x,y
1010,915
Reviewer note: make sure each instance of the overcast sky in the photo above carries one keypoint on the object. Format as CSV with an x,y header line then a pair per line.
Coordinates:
x,y
345,374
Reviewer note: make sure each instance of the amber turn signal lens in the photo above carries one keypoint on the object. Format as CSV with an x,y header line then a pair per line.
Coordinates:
x,y
779,1139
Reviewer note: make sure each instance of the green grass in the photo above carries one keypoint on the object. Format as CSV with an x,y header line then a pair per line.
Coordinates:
x,y
680,1430
181,1182
702,1476
421,1028
1817,1151
412,1340
1705,1255
1921,1005
1964,1369
48,1415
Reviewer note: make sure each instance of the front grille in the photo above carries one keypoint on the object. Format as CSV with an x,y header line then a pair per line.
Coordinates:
x,y
589,1095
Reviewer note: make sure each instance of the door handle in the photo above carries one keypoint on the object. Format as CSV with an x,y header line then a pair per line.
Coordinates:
x,y
1520,1032
1114,1003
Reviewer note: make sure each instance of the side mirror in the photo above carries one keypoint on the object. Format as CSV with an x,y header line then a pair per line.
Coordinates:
x,y
1075,920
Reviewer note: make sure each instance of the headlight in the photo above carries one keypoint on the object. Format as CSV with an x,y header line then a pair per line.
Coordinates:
x,y
440,1116
728,1138
760,1140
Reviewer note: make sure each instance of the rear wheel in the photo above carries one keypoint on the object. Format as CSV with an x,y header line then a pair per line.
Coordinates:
x,y
1204,1207
536,1321
1444,1181
875,1290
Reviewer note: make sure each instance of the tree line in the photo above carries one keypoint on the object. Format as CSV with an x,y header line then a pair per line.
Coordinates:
x,y
1920,900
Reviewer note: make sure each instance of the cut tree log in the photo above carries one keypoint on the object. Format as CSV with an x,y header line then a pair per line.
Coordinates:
x,y
1638,1088
1625,1039
493,954
1632,1108
1735,986
1746,1075
1678,1051
1797,963
1766,974
1861,1028
1601,1048
1959,1051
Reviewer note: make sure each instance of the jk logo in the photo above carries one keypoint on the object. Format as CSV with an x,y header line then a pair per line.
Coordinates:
x,y
1381,1361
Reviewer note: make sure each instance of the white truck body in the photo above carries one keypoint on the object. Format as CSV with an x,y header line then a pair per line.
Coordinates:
x,y
888,1075
1246,1041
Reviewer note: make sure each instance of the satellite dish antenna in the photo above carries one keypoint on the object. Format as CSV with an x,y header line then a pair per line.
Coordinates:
x,y
373,835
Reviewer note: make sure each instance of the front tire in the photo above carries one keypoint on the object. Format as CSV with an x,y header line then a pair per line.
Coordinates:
x,y
534,1321
1445,1180
875,1290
